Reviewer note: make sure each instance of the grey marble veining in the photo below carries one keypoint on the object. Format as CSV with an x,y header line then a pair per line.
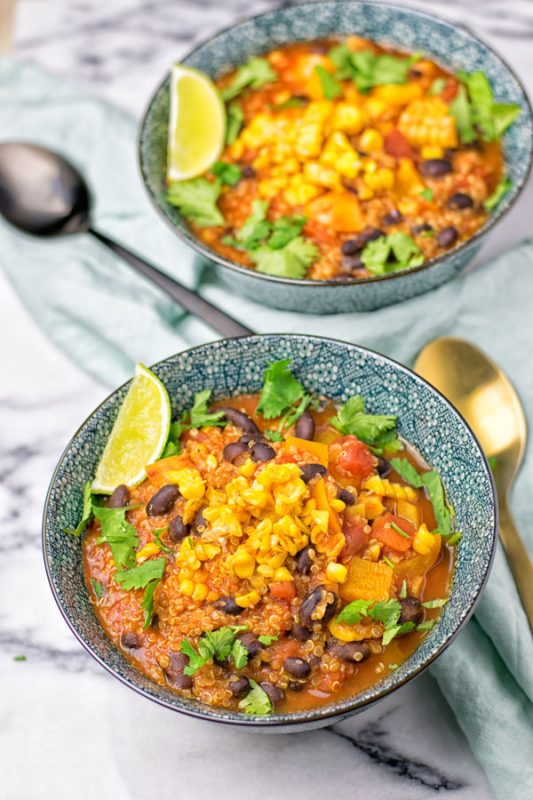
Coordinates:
x,y
67,728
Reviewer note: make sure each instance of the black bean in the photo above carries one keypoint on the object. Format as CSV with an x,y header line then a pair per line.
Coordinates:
x,y
178,661
300,633
460,200
346,496
435,167
246,438
384,467
178,680
424,227
163,501
393,217
349,263
200,523
241,420
294,686
352,246
119,498
305,427
252,644
370,234
302,97
228,606
305,560
233,450
310,471
239,686
130,640
177,530
447,236
248,171
274,693
297,667
320,605
261,451
412,610
355,651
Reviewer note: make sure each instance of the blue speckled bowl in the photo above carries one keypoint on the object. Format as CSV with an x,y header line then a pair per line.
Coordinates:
x,y
338,370
405,28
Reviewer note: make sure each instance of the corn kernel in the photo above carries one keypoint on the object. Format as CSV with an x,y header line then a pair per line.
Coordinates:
x,y
371,141
243,563
345,633
373,551
200,576
432,151
423,541
336,572
211,461
337,505
374,107
348,118
265,570
282,574
248,600
187,587
200,592
408,511
383,178
248,468
150,549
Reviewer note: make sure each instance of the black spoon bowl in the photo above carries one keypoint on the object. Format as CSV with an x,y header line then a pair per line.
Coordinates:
x,y
43,194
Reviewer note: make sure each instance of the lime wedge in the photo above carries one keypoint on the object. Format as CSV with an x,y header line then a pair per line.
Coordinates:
x,y
197,124
138,436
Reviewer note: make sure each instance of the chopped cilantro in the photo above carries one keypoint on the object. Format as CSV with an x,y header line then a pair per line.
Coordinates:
x,y
197,199
375,430
427,194
147,603
284,230
291,261
217,645
229,174
292,102
239,654
86,514
388,562
460,109
393,666
118,534
280,390
171,449
376,255
138,577
499,192
98,588
426,626
256,701
405,470
20,658
157,536
274,436
267,640
256,228
234,120
455,538
173,446
437,87
354,612
399,530
199,415
403,590
196,660
331,87
474,109
256,73
438,603
397,630
432,482
367,69
386,611
503,116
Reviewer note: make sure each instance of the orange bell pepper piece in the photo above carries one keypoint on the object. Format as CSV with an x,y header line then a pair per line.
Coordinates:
x,y
418,565
161,472
339,211
367,580
318,450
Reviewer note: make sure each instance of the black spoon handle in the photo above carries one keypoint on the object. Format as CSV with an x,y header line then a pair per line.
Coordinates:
x,y
190,301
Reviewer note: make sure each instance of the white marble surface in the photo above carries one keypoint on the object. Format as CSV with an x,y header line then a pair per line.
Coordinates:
x,y
67,729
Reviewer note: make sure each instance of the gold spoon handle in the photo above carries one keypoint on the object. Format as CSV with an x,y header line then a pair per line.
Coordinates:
x,y
518,559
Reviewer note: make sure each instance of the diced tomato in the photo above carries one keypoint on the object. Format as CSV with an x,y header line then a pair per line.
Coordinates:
x,y
354,533
283,590
352,457
397,145
282,649
450,90
382,531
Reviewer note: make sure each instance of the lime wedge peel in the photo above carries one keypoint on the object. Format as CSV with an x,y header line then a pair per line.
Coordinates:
x,y
139,434
197,124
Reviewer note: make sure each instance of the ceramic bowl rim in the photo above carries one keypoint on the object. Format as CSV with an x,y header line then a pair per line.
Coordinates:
x,y
189,238
321,713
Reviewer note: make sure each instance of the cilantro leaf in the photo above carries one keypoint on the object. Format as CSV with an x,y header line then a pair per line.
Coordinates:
x,y
280,390
368,69
86,514
291,261
405,470
256,701
98,588
427,194
171,449
397,630
212,645
267,640
461,110
200,416
196,661
481,99
354,612
477,109
425,626
499,192
118,534
331,87
239,654
256,228
274,436
386,611
503,116
403,590
405,250
292,102
173,446
229,174
234,120
256,73
284,230
376,255
369,428
147,603
157,536
443,512
197,199
138,577
438,603
455,538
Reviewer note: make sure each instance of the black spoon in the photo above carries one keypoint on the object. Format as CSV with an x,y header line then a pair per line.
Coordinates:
x,y
42,194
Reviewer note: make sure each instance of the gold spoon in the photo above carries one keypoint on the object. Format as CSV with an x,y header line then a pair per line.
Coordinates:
x,y
487,400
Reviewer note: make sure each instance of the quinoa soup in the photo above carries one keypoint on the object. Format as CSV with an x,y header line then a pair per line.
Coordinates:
x,y
282,554
347,159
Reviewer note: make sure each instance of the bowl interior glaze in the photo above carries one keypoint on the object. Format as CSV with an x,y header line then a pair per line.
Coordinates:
x,y
337,370
451,45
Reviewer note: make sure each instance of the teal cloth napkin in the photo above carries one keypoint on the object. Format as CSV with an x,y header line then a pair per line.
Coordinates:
x,y
106,318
